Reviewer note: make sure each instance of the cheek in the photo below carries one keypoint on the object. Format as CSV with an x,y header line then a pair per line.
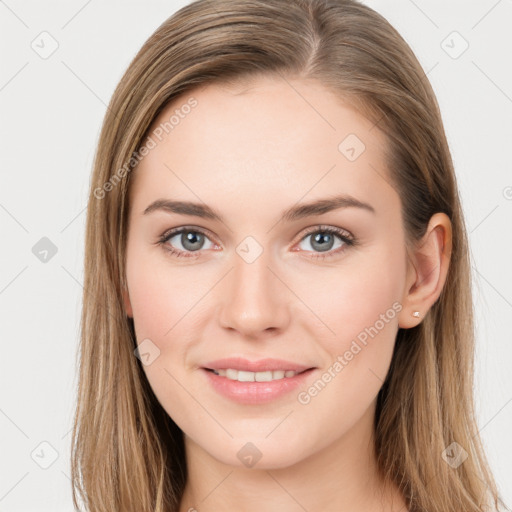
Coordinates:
x,y
354,296
359,312
160,296
168,304
367,300
162,301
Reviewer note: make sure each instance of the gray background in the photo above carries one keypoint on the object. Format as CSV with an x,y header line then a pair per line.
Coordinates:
x,y
51,113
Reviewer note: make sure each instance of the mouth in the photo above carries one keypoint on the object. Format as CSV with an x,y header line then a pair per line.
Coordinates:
x,y
257,388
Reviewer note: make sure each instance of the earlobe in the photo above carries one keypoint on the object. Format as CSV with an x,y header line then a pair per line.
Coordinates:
x,y
415,314
428,271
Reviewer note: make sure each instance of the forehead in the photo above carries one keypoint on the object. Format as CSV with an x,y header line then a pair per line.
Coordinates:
x,y
269,140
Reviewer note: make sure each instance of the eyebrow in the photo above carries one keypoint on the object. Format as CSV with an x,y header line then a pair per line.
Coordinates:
x,y
297,212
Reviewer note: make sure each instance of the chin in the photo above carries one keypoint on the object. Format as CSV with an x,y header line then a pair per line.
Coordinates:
x,y
256,454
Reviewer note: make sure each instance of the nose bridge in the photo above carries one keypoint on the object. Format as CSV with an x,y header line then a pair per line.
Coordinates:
x,y
254,299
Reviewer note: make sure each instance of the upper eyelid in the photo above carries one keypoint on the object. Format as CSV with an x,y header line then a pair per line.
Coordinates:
x,y
322,227
170,233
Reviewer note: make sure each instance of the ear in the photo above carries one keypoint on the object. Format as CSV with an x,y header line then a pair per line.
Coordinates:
x,y
126,302
427,269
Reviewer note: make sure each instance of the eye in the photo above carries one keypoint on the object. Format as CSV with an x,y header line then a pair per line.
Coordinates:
x,y
324,240
191,241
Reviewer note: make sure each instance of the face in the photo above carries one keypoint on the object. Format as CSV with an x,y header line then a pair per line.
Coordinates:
x,y
319,288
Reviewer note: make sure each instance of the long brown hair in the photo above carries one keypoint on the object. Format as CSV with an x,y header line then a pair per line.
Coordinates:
x,y
127,454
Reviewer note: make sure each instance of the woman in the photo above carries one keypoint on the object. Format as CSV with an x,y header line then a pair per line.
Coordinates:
x,y
277,310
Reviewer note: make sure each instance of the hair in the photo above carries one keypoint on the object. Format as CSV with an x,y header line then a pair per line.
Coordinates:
x,y
127,453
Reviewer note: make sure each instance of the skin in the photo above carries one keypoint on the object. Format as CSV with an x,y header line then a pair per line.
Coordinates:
x,y
250,153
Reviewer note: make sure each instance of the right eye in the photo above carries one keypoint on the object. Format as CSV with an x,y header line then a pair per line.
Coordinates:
x,y
190,239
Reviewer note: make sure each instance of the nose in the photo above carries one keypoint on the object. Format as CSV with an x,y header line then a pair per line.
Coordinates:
x,y
254,300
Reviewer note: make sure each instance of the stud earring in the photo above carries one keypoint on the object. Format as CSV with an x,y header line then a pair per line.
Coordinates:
x,y
416,314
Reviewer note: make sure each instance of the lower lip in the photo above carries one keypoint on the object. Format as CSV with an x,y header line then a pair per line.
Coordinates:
x,y
255,392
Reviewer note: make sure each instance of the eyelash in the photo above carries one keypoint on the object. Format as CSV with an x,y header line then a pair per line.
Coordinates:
x,y
348,240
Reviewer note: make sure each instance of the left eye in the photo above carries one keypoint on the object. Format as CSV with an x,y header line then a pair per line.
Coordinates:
x,y
323,240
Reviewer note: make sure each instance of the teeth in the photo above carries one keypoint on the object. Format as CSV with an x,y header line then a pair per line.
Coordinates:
x,y
243,376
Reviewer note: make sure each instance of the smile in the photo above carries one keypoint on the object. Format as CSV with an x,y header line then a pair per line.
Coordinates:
x,y
245,376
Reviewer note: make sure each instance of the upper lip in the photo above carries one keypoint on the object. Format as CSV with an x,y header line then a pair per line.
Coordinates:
x,y
262,365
